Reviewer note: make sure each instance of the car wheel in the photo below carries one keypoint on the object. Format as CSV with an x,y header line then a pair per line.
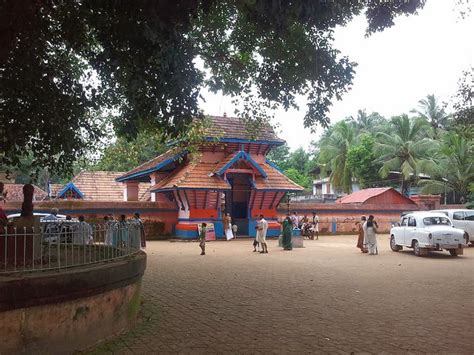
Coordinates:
x,y
417,249
453,252
393,245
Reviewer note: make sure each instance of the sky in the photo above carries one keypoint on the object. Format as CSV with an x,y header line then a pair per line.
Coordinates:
x,y
420,55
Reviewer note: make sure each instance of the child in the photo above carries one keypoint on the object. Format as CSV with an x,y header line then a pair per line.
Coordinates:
x,y
202,238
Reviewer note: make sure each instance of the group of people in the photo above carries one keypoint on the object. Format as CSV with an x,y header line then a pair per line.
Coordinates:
x,y
367,238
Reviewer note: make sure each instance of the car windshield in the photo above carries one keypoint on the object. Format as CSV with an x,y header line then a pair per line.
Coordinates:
x,y
434,221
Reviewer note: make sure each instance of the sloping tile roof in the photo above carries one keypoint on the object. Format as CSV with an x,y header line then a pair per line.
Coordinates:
x,y
101,186
233,127
238,156
14,192
363,196
151,163
275,180
192,175
56,189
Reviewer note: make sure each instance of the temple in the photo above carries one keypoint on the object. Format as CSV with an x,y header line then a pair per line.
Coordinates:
x,y
227,174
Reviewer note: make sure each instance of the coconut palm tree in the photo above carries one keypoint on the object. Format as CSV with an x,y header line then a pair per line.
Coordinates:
x,y
429,110
334,148
405,149
454,168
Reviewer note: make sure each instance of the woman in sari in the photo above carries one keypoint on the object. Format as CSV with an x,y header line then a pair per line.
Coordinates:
x,y
228,227
287,232
360,238
370,232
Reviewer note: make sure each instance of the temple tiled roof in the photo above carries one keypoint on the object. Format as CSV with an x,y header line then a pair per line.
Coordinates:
x,y
14,192
151,164
275,180
234,128
100,186
192,175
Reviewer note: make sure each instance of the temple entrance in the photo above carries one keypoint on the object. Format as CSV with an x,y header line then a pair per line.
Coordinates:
x,y
237,201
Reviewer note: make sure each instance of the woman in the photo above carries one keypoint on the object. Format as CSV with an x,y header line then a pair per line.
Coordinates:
x,y
228,227
360,238
287,231
370,240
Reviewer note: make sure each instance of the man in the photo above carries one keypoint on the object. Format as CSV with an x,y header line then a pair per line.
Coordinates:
x,y
140,229
294,220
53,216
83,234
202,238
315,223
262,234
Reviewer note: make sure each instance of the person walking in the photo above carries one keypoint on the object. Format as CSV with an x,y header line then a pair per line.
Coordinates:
x,y
228,226
202,238
287,232
370,235
360,237
315,223
262,234
140,238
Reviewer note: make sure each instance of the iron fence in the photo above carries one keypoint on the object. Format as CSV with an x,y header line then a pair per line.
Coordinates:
x,y
66,244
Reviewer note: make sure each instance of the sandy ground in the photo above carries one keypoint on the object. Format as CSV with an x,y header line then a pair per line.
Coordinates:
x,y
324,298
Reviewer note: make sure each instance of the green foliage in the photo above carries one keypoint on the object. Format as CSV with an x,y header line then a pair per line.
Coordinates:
x,y
298,177
453,167
405,149
124,155
334,150
279,156
463,106
62,62
430,111
361,159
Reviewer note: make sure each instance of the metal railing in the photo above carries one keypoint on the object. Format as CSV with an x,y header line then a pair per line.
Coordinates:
x,y
66,244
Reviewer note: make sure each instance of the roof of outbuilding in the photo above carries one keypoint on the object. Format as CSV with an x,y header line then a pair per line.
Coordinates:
x,y
14,192
363,196
101,186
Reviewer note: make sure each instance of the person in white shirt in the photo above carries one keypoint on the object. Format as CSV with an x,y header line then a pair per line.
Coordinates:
x,y
262,234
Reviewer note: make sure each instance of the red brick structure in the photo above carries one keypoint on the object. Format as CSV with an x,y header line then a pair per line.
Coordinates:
x,y
228,173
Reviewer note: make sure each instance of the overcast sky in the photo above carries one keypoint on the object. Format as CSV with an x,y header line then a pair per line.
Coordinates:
x,y
420,55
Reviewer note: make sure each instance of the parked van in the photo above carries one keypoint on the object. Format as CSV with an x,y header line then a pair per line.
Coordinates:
x,y
462,219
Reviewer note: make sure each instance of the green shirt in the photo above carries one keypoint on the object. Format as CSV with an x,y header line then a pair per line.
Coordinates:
x,y
202,234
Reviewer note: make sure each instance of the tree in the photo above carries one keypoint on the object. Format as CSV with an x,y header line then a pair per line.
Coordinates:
x,y
429,110
298,177
334,150
279,156
61,62
124,155
454,168
366,122
405,149
463,106
361,160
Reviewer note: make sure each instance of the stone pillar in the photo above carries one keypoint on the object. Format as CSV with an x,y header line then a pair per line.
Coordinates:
x,y
130,191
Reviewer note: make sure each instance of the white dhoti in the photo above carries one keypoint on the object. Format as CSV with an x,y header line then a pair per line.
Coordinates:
x,y
371,240
228,233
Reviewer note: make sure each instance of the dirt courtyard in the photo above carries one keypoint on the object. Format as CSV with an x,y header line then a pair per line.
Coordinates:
x,y
326,297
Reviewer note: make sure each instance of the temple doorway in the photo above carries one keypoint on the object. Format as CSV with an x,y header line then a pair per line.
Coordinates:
x,y
237,202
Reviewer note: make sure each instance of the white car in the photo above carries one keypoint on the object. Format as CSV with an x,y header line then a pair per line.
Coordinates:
x,y
462,219
425,231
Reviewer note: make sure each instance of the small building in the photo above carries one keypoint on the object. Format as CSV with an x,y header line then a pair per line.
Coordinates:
x,y
382,196
97,186
229,173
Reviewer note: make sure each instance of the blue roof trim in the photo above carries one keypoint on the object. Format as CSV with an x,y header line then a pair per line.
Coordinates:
x,y
240,140
151,170
273,165
70,186
191,188
242,155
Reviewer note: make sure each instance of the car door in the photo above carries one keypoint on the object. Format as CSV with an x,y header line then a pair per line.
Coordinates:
x,y
458,220
410,230
400,236
469,224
